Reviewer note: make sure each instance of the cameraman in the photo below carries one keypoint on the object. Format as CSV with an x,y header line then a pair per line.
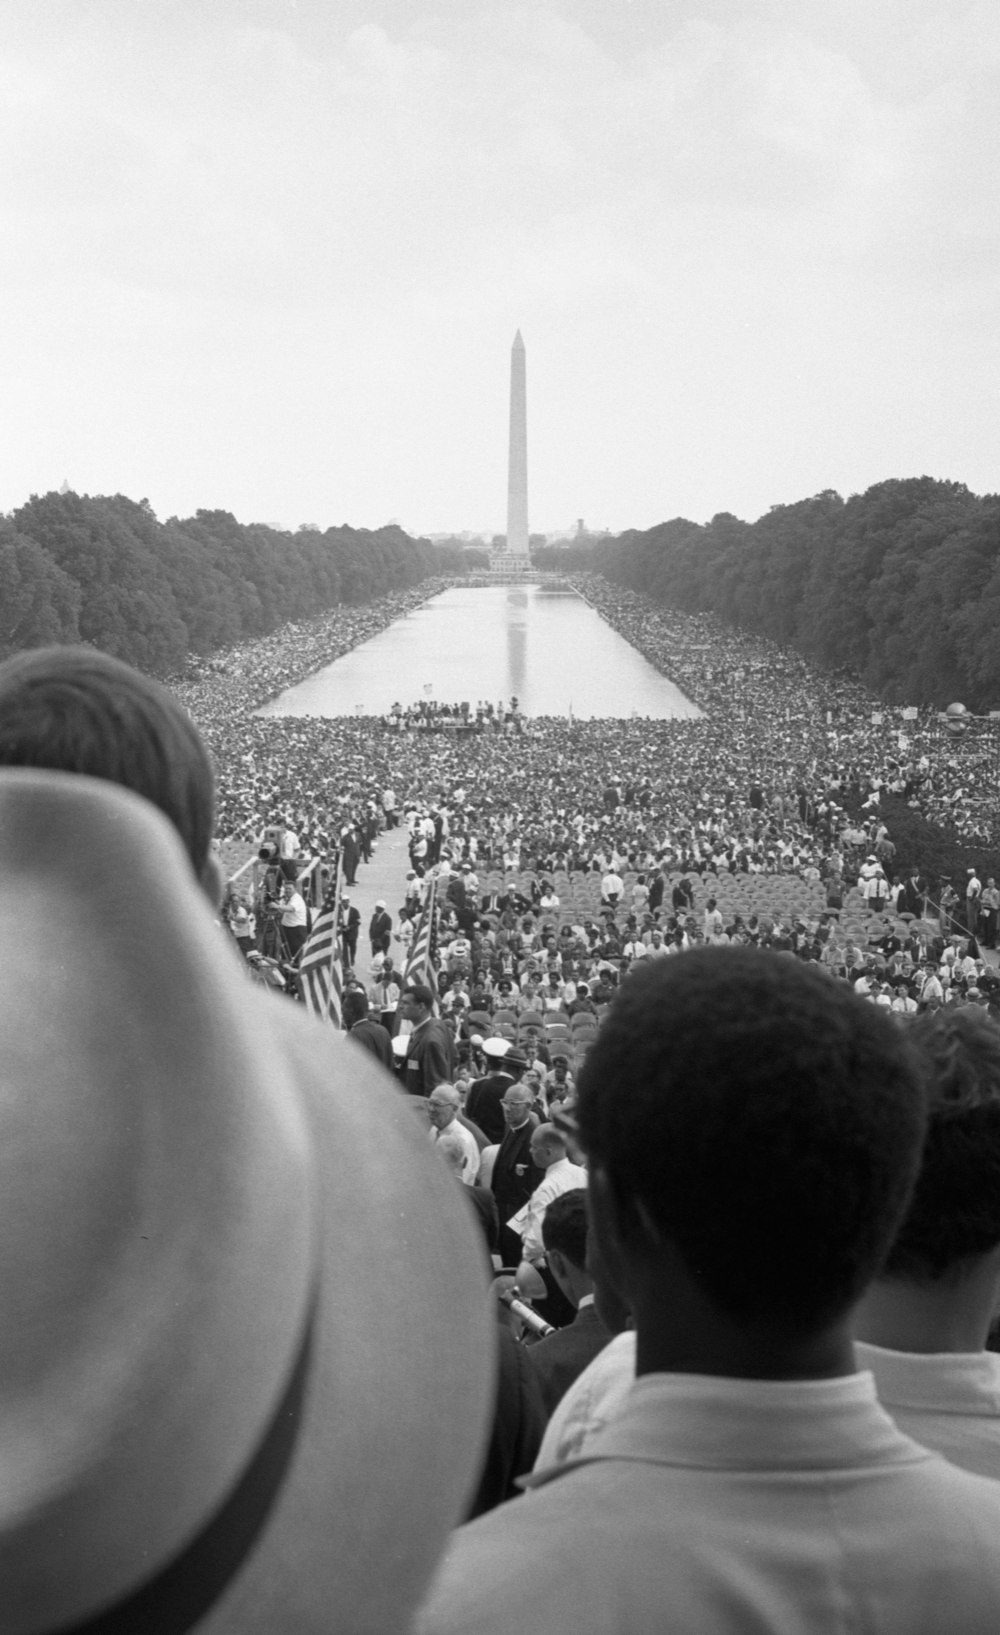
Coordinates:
x,y
294,918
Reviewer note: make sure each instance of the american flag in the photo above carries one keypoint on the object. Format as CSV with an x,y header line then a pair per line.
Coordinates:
x,y
321,974
420,964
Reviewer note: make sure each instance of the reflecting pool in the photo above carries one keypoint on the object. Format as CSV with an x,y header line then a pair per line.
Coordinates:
x,y
543,646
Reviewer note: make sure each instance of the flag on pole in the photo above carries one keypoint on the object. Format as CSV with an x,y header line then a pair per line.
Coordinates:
x,y
420,964
321,968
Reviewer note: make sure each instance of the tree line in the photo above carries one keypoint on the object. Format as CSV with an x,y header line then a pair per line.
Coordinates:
x,y
900,586
104,570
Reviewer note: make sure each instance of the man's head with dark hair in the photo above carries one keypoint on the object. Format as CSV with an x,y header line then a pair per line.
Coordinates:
x,y
754,1132
355,1006
73,709
419,995
954,1214
564,1226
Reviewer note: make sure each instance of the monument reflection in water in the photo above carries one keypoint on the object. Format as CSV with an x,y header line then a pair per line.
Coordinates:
x,y
545,647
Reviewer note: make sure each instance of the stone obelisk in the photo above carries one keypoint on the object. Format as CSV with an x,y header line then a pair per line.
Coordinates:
x,y
517,467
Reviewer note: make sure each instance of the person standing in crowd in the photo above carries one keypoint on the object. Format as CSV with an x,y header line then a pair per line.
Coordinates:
x,y
443,1107
294,918
350,926
547,1147
989,908
289,847
431,1056
384,994
350,854
362,1030
486,1094
560,1358
380,929
948,904
973,893
913,898
515,1173
923,1325
749,1167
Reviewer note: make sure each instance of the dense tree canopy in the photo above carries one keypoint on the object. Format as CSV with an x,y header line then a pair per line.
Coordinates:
x,y
104,570
899,585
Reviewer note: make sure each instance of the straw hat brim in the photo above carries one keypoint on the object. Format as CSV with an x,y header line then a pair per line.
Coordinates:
x,y
220,1231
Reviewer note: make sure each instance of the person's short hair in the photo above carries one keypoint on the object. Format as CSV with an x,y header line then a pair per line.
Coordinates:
x,y
355,1006
954,1213
564,1226
768,1123
420,994
74,709
452,1150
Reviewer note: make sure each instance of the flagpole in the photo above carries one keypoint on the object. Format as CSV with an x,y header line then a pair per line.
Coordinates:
x,y
335,942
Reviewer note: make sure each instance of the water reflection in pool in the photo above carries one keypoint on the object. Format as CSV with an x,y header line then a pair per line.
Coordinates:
x,y
546,647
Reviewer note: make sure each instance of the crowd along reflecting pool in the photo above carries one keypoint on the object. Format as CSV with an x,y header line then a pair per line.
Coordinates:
x,y
545,647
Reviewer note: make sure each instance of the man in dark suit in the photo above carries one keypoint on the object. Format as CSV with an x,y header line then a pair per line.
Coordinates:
x,y
560,1358
350,924
515,1173
369,1035
913,896
484,1104
431,1056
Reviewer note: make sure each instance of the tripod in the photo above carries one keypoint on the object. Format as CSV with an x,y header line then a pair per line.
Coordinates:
x,y
273,941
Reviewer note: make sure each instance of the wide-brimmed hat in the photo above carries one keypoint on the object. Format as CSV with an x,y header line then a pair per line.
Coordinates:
x,y
240,1299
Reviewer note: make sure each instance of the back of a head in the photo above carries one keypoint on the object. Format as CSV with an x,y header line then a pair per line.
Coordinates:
x,y
355,1006
954,1214
74,709
564,1226
768,1122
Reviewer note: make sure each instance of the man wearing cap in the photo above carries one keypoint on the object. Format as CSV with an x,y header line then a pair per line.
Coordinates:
x,y
431,1057
485,1097
380,929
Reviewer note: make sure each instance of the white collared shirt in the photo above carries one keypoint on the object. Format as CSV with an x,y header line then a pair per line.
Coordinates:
x,y
947,1400
713,1506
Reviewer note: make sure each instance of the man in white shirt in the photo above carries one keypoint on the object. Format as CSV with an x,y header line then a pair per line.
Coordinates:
x,y
443,1107
749,1167
612,886
294,918
548,1150
288,851
923,1324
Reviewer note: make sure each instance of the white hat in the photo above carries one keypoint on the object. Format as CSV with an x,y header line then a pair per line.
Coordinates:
x,y
496,1047
208,1371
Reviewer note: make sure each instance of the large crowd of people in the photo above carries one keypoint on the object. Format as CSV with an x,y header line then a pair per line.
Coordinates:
x,y
741,1268
757,822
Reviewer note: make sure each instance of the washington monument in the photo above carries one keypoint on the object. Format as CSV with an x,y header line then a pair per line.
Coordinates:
x,y
517,468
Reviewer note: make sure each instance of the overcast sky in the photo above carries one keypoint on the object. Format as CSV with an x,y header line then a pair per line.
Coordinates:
x,y
270,255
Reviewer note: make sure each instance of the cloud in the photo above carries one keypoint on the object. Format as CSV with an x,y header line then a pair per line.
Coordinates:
x,y
319,227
